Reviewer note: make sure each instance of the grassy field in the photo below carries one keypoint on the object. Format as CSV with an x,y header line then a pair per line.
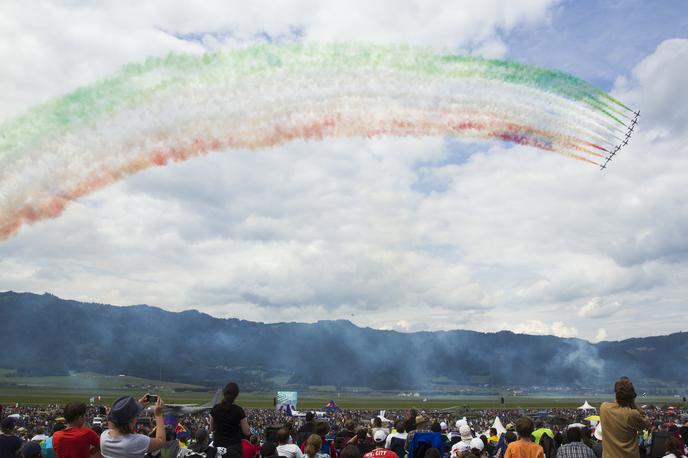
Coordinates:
x,y
46,395
81,387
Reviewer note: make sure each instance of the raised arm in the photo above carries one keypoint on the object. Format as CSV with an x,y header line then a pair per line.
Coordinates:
x,y
159,440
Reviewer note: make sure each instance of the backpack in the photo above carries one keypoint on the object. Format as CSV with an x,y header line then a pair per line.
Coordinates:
x,y
419,451
397,446
547,444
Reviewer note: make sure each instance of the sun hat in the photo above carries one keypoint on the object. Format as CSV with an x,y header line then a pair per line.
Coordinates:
x,y
125,409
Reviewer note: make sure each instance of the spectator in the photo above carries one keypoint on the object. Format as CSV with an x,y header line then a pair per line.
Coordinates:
x,y
284,448
380,451
524,447
201,446
476,447
377,426
362,442
47,447
411,420
397,439
321,429
9,443
120,440
506,439
574,448
350,451
432,453
673,449
268,450
75,441
466,437
307,428
250,448
229,424
30,450
622,421
344,436
313,447
598,447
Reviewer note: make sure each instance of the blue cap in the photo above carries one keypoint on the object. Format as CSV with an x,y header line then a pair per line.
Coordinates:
x,y
31,450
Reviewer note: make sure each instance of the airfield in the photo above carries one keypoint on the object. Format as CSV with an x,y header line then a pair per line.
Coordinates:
x,y
104,389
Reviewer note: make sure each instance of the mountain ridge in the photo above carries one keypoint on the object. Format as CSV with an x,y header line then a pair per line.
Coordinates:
x,y
193,346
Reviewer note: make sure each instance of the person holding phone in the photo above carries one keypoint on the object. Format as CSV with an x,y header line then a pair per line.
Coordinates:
x,y
120,440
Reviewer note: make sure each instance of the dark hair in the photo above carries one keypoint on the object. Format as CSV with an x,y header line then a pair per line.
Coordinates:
x,y
413,413
73,411
58,427
350,451
282,436
201,436
573,434
509,437
230,393
349,425
310,416
625,392
436,428
362,434
493,431
322,428
401,426
524,427
432,452
674,446
377,422
123,428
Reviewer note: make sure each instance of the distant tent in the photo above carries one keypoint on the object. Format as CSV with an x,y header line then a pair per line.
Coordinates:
x,y
498,426
586,406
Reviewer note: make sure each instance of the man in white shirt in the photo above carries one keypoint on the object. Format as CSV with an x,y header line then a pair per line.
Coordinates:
x,y
284,448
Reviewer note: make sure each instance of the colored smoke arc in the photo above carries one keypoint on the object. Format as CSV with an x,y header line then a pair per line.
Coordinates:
x,y
179,106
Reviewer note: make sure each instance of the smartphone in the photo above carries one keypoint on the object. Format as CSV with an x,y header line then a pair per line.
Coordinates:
x,y
151,398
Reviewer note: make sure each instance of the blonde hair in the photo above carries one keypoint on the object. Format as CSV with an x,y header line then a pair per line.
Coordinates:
x,y
313,445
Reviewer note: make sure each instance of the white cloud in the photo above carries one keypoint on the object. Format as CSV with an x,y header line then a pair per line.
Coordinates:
x,y
598,308
539,327
48,48
600,336
403,234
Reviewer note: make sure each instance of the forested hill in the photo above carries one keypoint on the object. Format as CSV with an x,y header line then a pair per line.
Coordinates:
x,y
45,335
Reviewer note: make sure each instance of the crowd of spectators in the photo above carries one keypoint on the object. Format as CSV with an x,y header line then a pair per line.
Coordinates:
x,y
229,431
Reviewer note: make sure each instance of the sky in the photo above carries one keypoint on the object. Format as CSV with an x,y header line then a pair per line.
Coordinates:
x,y
391,233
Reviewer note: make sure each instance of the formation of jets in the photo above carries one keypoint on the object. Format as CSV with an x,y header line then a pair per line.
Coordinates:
x,y
624,142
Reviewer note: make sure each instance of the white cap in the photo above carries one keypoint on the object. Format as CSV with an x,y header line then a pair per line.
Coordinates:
x,y
460,422
462,446
598,432
443,426
465,432
379,436
476,442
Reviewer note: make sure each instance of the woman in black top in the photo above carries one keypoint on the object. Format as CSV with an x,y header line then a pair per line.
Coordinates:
x,y
229,423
